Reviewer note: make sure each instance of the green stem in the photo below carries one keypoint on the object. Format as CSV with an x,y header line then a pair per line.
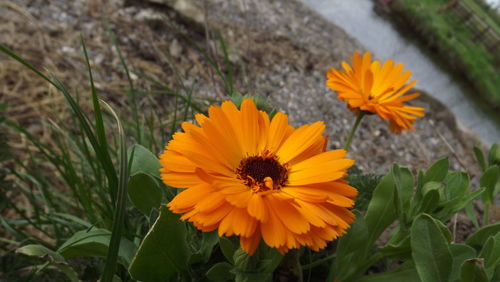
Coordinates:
x,y
353,130
297,267
486,214
318,262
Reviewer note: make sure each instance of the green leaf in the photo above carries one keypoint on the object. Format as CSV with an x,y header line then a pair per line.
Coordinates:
x,y
164,250
491,254
406,185
473,271
228,248
208,241
269,263
493,155
144,192
241,260
431,252
430,202
95,242
433,186
400,250
406,275
220,272
479,157
143,161
496,273
40,251
479,237
352,250
489,180
381,211
437,172
457,183
451,207
460,253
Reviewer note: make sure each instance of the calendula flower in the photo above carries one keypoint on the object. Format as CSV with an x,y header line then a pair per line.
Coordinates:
x,y
257,178
379,89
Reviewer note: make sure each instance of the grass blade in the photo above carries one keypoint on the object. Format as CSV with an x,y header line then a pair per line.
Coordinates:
x,y
121,202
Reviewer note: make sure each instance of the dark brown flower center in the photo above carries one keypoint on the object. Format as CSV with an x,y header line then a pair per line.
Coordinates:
x,y
262,173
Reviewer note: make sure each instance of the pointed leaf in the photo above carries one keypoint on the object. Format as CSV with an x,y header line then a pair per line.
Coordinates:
x,y
143,161
228,248
164,250
95,242
144,192
437,172
460,253
479,237
381,211
40,251
220,272
431,252
479,157
473,271
489,180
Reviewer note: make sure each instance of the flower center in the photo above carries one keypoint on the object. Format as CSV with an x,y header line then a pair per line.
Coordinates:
x,y
262,173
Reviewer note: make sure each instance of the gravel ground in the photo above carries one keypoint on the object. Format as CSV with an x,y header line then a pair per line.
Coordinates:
x,y
282,48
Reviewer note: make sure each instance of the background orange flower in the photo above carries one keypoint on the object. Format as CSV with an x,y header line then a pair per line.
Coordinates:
x,y
380,89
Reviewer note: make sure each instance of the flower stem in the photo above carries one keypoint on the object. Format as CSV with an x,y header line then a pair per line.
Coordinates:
x,y
353,130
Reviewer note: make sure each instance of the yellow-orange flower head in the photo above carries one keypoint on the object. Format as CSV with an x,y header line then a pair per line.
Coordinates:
x,y
258,179
368,86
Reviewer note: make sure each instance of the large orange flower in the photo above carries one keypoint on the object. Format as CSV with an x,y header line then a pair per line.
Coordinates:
x,y
368,86
248,176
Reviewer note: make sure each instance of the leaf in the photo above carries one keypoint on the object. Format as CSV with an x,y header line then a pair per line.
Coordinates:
x,y
433,186
163,251
479,237
406,275
473,271
493,154
491,254
272,259
489,180
437,172
381,211
401,250
352,249
143,161
460,253
479,157
220,272
429,202
64,268
55,260
144,192
228,248
406,184
451,207
95,242
430,250
41,251
208,241
457,183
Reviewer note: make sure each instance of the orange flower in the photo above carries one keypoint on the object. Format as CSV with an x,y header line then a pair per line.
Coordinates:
x,y
257,178
368,86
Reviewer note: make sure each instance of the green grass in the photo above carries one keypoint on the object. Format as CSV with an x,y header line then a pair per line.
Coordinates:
x,y
454,43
